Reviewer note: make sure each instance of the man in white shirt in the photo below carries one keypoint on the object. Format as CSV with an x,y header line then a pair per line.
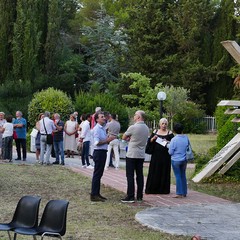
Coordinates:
x,y
113,129
46,128
85,138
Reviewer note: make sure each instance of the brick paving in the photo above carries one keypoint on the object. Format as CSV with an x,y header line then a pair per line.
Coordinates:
x,y
117,179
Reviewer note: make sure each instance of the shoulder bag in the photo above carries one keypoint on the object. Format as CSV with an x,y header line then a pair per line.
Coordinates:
x,y
189,152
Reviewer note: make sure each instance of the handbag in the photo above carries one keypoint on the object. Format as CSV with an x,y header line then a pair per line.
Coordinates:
x,y
49,139
34,133
150,145
15,135
49,136
189,152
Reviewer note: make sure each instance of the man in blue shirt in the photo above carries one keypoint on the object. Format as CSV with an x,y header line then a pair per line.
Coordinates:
x,y
100,143
20,126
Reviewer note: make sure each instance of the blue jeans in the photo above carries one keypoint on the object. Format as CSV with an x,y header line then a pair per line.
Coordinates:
x,y
179,169
99,158
85,153
58,148
134,164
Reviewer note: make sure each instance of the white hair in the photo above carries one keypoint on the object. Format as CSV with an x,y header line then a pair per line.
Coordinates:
x,y
163,120
98,109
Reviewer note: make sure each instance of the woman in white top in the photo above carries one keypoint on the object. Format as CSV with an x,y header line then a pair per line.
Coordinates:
x,y
7,138
70,128
2,121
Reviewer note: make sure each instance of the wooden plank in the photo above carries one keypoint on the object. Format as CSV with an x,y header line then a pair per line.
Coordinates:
x,y
221,157
234,159
233,48
231,103
232,111
236,120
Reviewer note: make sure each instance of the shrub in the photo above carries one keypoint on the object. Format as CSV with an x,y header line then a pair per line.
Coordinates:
x,y
52,100
87,102
226,129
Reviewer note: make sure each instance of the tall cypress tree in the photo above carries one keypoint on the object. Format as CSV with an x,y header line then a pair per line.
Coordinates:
x,y
53,36
7,18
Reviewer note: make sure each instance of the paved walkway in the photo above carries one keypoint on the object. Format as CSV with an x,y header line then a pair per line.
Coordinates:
x,y
198,213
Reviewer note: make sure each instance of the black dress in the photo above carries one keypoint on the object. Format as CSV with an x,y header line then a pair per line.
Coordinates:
x,y
159,173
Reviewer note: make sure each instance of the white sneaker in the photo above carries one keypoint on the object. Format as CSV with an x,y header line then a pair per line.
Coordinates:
x,y
90,167
84,166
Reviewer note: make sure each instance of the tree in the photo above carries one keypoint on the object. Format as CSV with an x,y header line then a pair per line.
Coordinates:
x,y
224,26
104,48
144,97
7,18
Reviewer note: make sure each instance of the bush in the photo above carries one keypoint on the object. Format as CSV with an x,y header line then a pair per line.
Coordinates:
x,y
87,102
54,101
226,129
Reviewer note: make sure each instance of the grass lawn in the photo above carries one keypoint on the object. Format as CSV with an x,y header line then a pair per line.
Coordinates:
x,y
86,220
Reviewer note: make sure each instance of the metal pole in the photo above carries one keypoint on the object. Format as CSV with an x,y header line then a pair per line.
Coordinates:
x,y
161,108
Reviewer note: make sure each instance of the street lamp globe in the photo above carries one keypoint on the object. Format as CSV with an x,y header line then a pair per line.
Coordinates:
x,y
161,96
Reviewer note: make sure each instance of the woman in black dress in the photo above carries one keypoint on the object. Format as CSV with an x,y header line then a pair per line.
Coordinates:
x,y
159,173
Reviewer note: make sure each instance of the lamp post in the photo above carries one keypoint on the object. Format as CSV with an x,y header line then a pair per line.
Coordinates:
x,y
161,97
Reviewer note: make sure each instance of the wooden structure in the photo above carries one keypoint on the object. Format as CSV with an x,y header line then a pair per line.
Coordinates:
x,y
230,153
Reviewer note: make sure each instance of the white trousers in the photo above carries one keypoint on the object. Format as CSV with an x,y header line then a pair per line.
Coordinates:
x,y
114,144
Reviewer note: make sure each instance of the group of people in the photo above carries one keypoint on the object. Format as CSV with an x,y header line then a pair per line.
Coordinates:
x,y
102,130
13,128
70,136
168,150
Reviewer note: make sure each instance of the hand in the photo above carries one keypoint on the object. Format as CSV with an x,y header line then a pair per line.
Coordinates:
x,y
154,138
109,139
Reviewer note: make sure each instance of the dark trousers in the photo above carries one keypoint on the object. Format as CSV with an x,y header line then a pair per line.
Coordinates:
x,y
132,165
99,158
85,153
21,142
7,147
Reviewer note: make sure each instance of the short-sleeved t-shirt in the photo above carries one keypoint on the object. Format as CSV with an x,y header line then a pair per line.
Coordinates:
x,y
8,132
21,132
138,134
58,136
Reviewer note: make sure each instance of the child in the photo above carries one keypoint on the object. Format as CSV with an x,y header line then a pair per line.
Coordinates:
x,y
7,139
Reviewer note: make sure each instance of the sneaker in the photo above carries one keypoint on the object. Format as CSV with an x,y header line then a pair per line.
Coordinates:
x,y
127,200
139,200
84,166
62,163
90,167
